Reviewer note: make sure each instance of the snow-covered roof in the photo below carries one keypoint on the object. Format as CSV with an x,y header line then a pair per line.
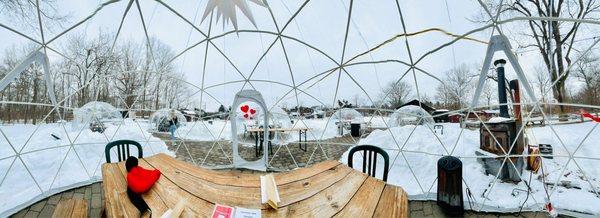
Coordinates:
x,y
492,111
499,120
189,112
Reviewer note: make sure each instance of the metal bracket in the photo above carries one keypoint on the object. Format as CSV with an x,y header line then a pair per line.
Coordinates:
x,y
500,43
35,56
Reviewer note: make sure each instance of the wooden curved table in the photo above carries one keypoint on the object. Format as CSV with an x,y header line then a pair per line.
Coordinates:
x,y
323,190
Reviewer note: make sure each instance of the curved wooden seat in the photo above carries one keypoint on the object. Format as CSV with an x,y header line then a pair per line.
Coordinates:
x,y
323,190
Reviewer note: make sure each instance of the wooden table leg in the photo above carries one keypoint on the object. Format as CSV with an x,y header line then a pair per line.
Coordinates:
x,y
261,141
300,140
269,142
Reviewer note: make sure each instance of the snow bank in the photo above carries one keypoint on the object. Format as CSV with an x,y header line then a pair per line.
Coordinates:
x,y
54,164
415,170
221,130
204,131
347,115
319,129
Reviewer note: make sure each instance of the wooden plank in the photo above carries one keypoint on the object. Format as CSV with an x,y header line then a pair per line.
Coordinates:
x,y
115,193
161,161
365,200
64,209
171,194
235,178
108,185
325,203
80,208
299,190
248,197
303,173
151,197
393,203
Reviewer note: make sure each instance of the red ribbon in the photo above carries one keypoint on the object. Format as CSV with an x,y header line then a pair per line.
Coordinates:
x,y
588,115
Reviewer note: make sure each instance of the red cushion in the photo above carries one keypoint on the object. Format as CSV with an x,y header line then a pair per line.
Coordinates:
x,y
140,180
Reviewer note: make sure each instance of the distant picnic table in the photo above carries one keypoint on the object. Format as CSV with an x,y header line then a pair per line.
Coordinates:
x,y
323,190
259,132
535,121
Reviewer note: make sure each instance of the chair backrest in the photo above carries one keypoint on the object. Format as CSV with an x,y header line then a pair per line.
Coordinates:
x,y
122,149
369,165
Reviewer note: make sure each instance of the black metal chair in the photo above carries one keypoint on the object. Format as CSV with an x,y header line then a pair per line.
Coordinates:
x,y
370,159
122,149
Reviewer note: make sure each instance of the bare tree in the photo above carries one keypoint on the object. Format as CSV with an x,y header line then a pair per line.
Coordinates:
x,y
396,93
542,81
554,40
455,91
587,70
91,59
25,13
489,93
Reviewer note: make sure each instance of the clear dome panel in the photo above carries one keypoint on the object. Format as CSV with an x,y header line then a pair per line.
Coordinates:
x,y
410,115
96,112
347,115
159,120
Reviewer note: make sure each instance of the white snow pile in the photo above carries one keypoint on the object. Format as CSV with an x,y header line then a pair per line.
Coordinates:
x,y
347,115
376,121
95,111
498,120
415,169
54,164
410,115
319,129
205,131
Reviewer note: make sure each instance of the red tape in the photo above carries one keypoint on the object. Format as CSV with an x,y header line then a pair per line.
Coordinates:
x,y
588,115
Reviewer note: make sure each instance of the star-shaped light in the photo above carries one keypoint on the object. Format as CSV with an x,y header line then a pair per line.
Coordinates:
x,y
226,9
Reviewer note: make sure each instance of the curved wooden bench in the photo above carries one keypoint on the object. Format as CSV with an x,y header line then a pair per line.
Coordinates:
x,y
325,189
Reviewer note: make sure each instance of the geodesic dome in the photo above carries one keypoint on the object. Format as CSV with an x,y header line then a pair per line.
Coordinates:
x,y
279,118
347,115
297,53
159,120
95,111
410,115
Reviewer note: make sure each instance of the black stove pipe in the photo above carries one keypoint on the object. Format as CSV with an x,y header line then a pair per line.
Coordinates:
x,y
501,87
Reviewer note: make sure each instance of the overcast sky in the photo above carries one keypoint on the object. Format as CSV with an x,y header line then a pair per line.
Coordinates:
x,y
320,24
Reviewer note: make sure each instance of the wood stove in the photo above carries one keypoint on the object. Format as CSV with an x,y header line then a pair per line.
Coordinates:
x,y
501,134
505,133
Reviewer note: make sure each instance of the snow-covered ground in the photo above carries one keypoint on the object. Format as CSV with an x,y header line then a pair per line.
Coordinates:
x,y
221,130
56,165
423,148
43,156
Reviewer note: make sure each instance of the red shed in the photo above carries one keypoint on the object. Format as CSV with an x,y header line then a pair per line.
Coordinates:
x,y
455,118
